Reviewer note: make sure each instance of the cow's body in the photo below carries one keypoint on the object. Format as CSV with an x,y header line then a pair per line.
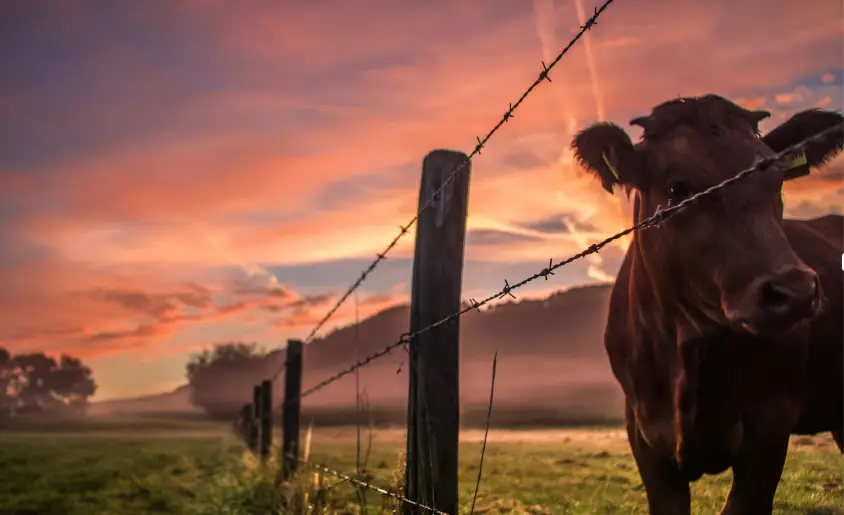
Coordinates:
x,y
725,324
733,384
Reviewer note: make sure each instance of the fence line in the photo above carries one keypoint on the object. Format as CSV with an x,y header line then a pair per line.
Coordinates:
x,y
655,220
404,229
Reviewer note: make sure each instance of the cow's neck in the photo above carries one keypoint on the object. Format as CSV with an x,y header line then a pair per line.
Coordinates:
x,y
667,323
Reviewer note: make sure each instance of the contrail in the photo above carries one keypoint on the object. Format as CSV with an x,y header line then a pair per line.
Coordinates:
x,y
596,262
590,62
623,205
543,16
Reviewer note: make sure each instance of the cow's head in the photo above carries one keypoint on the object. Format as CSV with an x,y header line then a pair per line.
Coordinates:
x,y
727,256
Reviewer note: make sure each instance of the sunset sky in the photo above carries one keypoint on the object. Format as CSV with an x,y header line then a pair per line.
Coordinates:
x,y
179,173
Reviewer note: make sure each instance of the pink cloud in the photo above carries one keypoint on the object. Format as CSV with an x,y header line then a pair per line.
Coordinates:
x,y
56,305
304,318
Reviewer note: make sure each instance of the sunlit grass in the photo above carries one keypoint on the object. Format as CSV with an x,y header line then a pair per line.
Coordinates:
x,y
589,471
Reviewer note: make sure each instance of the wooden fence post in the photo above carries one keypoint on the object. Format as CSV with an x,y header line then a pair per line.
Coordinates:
x,y
433,396
255,426
246,416
266,419
291,409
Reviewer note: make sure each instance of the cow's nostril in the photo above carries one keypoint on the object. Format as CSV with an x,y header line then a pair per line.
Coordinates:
x,y
775,297
795,292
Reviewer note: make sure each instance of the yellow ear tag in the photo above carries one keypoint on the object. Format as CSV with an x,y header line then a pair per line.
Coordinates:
x,y
611,167
798,161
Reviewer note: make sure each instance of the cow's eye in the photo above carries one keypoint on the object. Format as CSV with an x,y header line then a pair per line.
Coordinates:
x,y
679,190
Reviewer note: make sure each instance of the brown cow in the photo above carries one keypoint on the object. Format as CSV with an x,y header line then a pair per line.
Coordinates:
x,y
725,324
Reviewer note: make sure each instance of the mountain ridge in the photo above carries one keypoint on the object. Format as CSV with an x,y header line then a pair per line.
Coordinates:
x,y
549,349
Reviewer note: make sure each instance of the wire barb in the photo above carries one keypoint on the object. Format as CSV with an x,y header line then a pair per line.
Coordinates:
x,y
509,113
547,271
543,75
506,291
591,21
659,214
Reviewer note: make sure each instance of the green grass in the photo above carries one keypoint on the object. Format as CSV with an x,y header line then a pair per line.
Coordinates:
x,y
581,471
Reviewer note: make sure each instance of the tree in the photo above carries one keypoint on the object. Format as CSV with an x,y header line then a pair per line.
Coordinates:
x,y
36,382
221,379
72,383
7,376
32,373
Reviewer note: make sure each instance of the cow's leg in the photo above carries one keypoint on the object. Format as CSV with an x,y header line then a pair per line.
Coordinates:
x,y
756,474
838,436
668,493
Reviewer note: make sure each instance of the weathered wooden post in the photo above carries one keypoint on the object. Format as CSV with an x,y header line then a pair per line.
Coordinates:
x,y
292,409
433,410
254,422
266,419
245,423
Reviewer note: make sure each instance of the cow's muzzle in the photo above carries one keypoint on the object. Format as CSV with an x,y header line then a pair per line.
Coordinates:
x,y
779,301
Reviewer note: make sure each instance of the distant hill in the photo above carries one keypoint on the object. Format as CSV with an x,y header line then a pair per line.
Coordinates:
x,y
551,364
177,401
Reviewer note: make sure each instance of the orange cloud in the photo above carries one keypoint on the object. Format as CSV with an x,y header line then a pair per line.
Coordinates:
x,y
60,306
784,98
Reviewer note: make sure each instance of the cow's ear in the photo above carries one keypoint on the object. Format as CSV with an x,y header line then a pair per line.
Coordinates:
x,y
801,126
606,150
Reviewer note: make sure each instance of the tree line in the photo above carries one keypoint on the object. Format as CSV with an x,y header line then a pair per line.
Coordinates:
x,y
220,381
221,378
35,383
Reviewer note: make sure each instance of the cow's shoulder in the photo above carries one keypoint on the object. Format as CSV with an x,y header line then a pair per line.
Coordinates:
x,y
819,234
820,242
629,336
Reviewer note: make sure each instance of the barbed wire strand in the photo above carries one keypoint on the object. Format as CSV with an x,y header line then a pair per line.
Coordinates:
x,y
543,76
367,486
655,220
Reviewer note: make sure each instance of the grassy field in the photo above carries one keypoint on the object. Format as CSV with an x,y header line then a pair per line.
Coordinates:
x,y
197,468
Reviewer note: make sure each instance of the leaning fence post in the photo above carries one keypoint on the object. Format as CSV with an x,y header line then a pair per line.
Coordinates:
x,y
254,421
433,395
266,419
291,410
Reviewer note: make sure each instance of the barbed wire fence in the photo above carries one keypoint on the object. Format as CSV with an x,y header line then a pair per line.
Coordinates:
x,y
654,221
